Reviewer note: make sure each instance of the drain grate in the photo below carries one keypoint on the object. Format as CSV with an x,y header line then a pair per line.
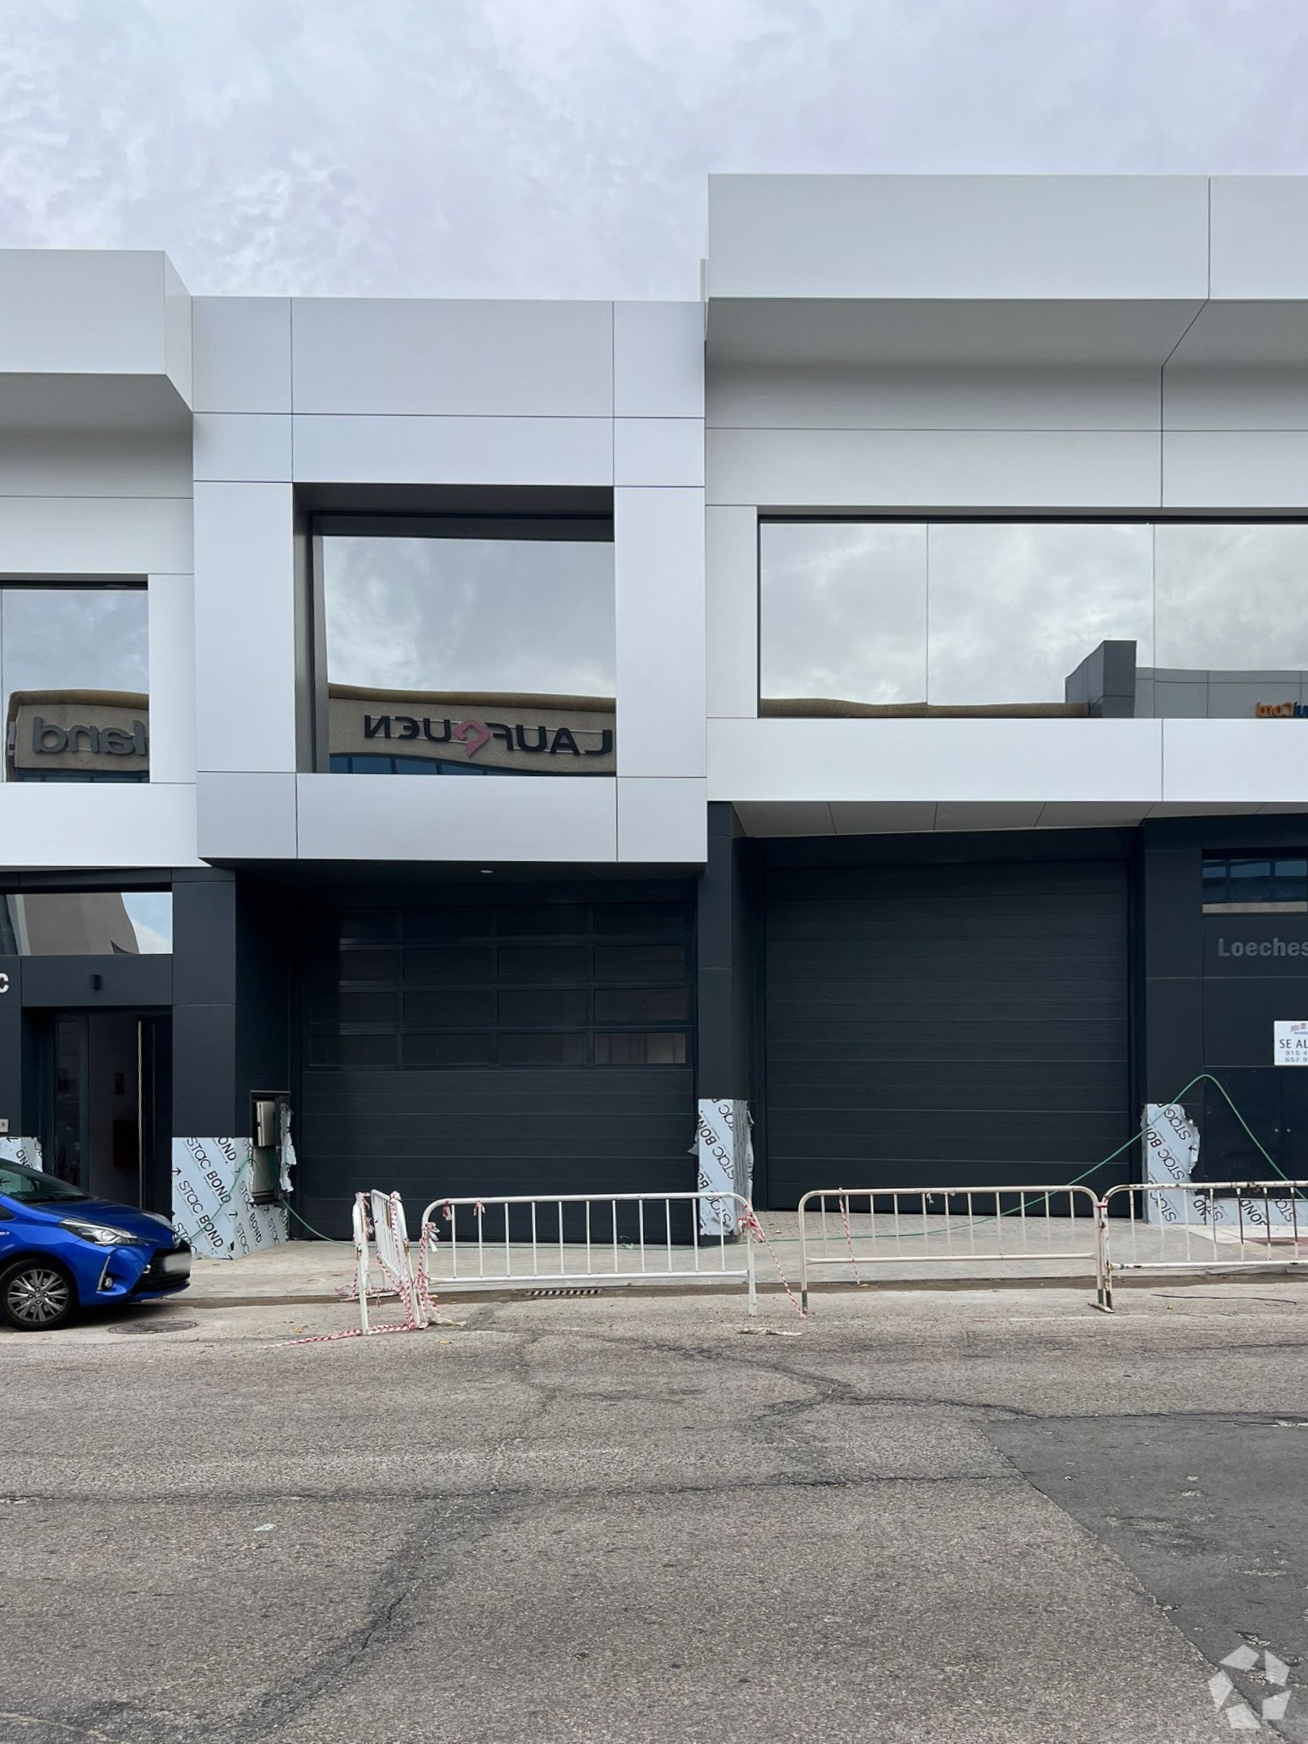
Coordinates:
x,y
580,1291
156,1326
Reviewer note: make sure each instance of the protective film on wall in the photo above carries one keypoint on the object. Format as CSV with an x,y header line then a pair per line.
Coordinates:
x,y
1171,1151
725,1150
22,1150
1171,1154
213,1198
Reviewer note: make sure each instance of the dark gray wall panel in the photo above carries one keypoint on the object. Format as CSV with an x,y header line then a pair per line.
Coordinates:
x,y
204,1071
204,1015
263,1017
945,1024
204,939
442,1134
22,1120
725,960
124,980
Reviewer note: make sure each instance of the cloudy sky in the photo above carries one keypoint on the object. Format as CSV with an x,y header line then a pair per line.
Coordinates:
x,y
470,614
559,147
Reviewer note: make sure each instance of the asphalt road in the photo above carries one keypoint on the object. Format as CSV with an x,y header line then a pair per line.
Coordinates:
x,y
981,1515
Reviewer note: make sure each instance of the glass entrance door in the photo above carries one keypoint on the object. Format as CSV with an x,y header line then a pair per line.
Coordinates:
x,y
110,1113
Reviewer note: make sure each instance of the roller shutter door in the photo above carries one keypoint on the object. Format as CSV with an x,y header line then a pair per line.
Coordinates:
x,y
947,1025
497,1048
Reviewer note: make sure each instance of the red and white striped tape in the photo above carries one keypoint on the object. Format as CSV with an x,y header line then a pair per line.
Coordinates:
x,y
756,1232
414,1292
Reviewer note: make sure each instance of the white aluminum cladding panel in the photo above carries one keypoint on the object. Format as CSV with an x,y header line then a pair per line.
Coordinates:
x,y
945,1024
68,824
92,312
952,237
242,354
415,356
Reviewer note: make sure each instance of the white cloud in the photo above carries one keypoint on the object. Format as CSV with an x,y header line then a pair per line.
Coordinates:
x,y
470,615
516,147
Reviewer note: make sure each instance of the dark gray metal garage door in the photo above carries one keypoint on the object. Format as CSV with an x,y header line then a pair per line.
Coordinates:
x,y
485,1048
946,1025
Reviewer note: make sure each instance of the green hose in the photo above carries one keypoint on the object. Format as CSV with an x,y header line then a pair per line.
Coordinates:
x,y
1199,1078
285,1204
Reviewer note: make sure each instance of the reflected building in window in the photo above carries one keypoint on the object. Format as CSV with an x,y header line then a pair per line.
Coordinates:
x,y
96,923
74,681
488,733
1109,684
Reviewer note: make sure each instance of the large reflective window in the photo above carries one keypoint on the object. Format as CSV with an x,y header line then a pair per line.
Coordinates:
x,y
1048,618
73,923
1014,609
1232,620
470,651
74,674
843,607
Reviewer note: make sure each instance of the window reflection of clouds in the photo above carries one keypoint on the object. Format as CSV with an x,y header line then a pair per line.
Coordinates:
x,y
470,614
843,610
1014,608
1232,597
57,638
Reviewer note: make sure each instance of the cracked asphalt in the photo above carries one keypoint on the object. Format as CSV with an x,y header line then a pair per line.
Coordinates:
x,y
975,1515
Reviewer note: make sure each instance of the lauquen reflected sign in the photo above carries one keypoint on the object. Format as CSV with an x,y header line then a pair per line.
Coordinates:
x,y
521,734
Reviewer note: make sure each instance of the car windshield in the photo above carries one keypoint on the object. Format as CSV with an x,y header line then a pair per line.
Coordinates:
x,y
34,1188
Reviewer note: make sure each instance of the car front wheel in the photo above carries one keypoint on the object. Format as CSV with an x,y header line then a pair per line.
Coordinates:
x,y
36,1296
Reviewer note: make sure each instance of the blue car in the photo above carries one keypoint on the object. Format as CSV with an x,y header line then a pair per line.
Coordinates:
x,y
61,1250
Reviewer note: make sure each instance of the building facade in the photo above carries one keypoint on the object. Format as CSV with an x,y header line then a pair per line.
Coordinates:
x,y
890,669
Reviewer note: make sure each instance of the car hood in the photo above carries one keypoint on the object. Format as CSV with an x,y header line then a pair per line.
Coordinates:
x,y
142,1224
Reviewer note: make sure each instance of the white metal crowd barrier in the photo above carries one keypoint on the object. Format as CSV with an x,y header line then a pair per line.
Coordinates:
x,y
379,1224
581,1238
870,1228
1221,1225
516,1241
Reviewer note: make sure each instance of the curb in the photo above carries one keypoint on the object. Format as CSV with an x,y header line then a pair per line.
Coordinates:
x,y
828,1286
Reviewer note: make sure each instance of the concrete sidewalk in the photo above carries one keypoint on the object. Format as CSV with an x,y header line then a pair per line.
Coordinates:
x,y
298,1271
936,1252
313,1271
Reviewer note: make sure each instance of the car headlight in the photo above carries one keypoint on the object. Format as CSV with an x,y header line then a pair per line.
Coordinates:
x,y
101,1234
